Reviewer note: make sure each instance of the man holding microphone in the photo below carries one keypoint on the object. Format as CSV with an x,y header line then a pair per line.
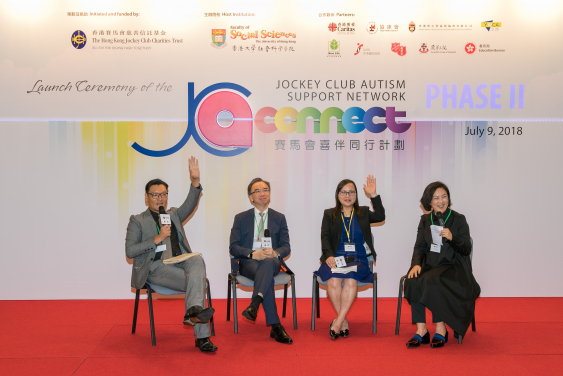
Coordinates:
x,y
149,242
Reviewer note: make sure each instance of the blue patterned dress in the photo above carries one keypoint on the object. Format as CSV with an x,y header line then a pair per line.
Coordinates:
x,y
363,274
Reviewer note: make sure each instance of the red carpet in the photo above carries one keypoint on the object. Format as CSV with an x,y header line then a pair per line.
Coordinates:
x,y
515,336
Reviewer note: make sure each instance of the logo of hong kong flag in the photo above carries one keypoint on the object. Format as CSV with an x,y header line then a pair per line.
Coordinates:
x,y
397,48
332,26
469,48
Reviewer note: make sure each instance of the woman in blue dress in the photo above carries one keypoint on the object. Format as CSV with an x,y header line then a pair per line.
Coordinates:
x,y
344,231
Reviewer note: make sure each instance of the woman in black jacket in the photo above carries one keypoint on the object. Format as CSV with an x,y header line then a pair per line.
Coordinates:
x,y
344,231
440,277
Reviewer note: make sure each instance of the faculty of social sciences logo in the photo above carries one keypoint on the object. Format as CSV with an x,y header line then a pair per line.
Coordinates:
x,y
398,49
470,48
372,27
334,48
218,37
78,39
221,122
490,24
358,49
412,27
423,48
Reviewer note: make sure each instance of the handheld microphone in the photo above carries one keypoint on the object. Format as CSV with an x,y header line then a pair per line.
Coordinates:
x,y
164,218
440,219
266,240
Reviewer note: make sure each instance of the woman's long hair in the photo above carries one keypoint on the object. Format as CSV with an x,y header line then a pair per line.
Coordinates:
x,y
338,207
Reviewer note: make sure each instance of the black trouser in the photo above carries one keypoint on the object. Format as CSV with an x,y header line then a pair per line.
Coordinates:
x,y
419,314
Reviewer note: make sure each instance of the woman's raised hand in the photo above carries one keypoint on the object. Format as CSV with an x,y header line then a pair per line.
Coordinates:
x,y
370,187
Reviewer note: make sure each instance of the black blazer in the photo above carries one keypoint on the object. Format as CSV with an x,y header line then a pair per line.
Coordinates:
x,y
331,231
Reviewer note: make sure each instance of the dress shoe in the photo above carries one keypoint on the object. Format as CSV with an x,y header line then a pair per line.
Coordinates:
x,y
205,345
280,335
250,313
439,340
345,333
196,314
417,340
332,333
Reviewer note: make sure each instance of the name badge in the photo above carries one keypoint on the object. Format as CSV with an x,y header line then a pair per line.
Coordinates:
x,y
257,245
160,248
340,262
349,247
435,248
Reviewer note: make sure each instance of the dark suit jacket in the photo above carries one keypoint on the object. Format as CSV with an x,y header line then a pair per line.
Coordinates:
x,y
242,234
332,230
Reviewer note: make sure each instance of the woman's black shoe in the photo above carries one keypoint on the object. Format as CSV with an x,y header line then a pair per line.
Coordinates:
x,y
345,333
417,340
332,333
438,340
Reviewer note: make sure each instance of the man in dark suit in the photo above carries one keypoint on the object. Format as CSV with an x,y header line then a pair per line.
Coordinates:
x,y
148,243
257,263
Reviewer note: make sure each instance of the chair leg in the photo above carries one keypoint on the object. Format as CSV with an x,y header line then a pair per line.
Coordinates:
x,y
459,339
473,323
229,299
135,312
284,300
209,305
318,300
314,303
399,303
149,294
235,314
293,303
374,318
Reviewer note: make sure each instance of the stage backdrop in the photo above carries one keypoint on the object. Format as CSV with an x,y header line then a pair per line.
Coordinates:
x,y
97,98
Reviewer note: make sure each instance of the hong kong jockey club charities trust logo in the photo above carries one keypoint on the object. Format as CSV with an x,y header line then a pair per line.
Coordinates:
x,y
221,122
78,39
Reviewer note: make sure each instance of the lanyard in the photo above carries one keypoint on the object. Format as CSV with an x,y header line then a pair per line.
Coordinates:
x,y
444,221
350,226
157,227
263,224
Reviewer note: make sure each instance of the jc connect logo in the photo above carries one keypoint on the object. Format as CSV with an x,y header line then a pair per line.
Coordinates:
x,y
224,124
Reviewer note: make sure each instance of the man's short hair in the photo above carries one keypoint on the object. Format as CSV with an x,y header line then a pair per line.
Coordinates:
x,y
155,182
254,181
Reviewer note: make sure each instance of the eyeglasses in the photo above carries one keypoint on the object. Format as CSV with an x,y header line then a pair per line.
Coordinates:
x,y
258,191
349,193
158,195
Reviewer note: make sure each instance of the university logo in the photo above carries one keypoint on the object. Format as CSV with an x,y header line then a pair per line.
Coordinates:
x,y
412,27
78,39
489,24
372,27
470,48
423,48
398,49
218,37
